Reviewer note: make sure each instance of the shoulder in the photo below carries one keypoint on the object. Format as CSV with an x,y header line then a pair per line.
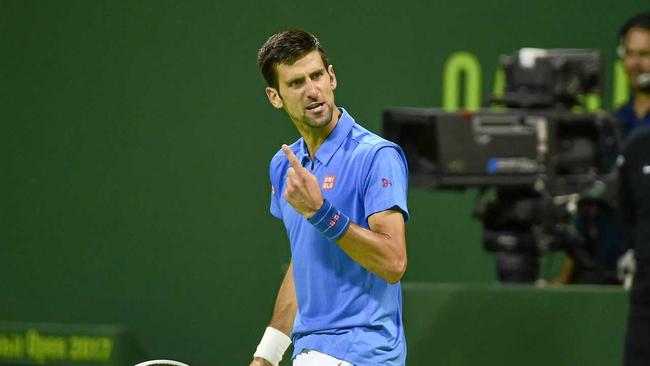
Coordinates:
x,y
371,148
625,110
638,138
364,140
369,142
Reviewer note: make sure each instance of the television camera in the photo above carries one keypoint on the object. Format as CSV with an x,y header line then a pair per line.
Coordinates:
x,y
534,162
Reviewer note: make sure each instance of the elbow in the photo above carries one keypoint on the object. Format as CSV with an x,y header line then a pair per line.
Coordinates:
x,y
397,270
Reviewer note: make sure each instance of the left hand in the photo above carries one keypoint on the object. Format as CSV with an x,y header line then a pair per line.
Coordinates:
x,y
259,361
302,188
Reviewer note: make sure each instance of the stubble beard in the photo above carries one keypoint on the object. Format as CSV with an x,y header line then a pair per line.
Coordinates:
x,y
321,121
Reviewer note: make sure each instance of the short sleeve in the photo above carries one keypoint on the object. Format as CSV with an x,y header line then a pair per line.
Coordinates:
x,y
276,190
386,183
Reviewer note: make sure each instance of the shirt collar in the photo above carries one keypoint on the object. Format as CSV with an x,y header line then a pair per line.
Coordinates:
x,y
333,141
628,108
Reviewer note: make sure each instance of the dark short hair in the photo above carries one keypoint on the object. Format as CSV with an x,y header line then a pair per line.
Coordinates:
x,y
641,20
286,47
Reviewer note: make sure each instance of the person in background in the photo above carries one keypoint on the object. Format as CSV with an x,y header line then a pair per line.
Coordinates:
x,y
634,49
599,223
634,185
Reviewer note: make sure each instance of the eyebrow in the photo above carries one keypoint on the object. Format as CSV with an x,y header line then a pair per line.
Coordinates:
x,y
321,70
299,78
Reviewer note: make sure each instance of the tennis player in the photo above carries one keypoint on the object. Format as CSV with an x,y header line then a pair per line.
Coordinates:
x,y
341,192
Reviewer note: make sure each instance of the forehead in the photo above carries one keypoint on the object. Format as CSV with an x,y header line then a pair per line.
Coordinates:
x,y
638,38
305,65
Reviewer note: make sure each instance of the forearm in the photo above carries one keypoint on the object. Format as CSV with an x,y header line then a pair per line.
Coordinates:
x,y
269,351
285,307
381,250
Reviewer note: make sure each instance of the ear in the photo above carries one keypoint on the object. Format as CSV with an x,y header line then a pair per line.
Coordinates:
x,y
330,70
274,97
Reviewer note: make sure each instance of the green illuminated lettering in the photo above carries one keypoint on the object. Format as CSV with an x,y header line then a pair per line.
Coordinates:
x,y
84,348
499,83
498,88
11,346
592,102
587,103
41,348
621,92
458,64
462,71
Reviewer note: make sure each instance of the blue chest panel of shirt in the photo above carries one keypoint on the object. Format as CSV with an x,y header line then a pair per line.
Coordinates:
x,y
313,253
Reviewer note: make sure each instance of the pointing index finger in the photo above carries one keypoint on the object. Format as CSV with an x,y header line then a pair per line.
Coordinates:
x,y
291,157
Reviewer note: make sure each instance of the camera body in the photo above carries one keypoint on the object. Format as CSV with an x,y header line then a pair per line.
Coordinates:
x,y
507,147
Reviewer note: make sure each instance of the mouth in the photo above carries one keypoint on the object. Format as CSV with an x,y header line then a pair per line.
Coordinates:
x,y
315,107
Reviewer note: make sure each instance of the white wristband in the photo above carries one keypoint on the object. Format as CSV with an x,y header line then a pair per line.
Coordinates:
x,y
272,346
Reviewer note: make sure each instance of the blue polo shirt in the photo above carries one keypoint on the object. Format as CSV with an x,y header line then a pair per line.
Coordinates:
x,y
629,119
344,310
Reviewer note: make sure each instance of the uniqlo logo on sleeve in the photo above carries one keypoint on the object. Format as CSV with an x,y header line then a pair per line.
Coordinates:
x,y
328,182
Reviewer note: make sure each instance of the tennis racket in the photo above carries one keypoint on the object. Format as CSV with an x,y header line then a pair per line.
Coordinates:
x,y
161,363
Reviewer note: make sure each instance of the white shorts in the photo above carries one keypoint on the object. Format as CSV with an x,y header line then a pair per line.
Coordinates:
x,y
315,358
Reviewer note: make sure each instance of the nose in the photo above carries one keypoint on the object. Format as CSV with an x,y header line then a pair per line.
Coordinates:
x,y
634,58
311,89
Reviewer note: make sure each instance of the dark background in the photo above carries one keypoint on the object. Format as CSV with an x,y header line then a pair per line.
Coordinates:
x,y
135,138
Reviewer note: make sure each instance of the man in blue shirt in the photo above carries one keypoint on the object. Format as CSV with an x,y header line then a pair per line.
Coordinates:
x,y
341,192
634,179
634,49
600,224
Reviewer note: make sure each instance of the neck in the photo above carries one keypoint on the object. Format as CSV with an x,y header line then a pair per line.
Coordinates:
x,y
314,137
641,104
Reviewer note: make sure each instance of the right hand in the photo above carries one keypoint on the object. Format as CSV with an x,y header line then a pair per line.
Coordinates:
x,y
259,361
302,189
626,266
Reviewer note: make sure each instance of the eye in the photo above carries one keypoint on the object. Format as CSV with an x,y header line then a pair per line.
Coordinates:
x,y
295,83
317,75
